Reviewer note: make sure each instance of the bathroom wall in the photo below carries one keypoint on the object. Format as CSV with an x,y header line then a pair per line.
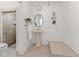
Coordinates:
x,y
23,12
70,15
50,32
27,13
7,5
66,29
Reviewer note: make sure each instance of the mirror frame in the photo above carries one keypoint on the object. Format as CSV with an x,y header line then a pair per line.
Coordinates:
x,y
42,20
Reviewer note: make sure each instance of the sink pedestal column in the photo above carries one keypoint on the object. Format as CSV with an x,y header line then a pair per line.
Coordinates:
x,y
38,33
38,39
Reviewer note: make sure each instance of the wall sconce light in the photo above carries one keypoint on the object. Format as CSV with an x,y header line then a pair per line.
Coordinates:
x,y
38,7
53,22
53,18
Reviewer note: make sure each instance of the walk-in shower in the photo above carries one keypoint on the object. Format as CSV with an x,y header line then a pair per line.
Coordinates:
x,y
8,27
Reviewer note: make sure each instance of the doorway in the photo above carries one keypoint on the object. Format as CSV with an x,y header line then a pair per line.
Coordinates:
x,y
9,28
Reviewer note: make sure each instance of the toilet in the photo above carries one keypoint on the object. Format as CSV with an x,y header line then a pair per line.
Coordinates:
x,y
3,45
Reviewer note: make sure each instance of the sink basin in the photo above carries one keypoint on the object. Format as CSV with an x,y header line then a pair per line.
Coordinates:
x,y
37,30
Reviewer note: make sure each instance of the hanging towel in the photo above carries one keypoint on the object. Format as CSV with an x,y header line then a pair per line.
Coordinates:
x,y
30,31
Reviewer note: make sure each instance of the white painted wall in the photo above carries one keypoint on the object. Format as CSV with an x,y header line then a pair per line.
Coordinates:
x,y
23,42
71,24
67,28
8,4
50,32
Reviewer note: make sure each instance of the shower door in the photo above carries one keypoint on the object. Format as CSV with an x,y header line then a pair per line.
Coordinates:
x,y
9,27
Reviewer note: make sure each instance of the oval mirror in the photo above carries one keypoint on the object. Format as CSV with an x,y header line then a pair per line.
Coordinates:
x,y
38,20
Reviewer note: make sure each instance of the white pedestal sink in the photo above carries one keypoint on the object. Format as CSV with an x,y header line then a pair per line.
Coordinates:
x,y
38,39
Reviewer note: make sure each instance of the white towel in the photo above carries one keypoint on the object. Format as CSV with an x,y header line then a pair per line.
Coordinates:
x,y
30,31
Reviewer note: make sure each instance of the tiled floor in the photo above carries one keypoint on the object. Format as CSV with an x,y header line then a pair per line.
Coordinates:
x,y
60,49
54,49
34,51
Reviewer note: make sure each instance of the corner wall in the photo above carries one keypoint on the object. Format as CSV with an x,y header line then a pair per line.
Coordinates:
x,y
23,12
71,24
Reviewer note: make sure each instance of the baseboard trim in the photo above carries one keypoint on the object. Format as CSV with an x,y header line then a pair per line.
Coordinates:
x,y
75,50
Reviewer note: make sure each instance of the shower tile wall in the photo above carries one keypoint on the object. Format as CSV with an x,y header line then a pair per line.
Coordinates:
x,y
9,29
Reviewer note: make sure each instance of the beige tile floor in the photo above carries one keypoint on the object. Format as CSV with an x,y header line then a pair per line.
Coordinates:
x,y
54,49
34,51
60,49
